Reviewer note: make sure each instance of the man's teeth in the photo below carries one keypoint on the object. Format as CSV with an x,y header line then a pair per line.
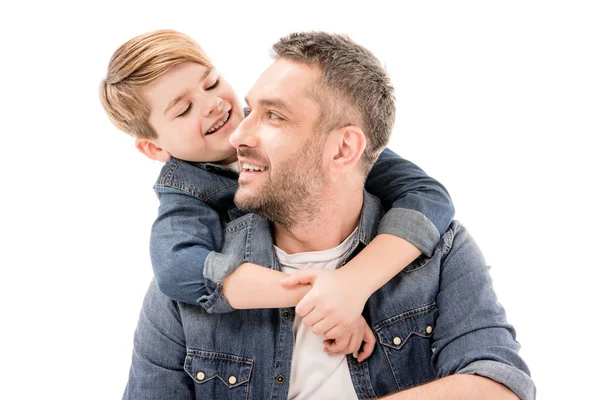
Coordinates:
x,y
253,167
219,124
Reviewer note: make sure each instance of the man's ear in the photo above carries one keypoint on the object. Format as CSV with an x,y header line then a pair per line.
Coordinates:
x,y
151,150
350,143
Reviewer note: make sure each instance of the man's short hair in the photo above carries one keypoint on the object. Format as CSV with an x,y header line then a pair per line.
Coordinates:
x,y
354,88
137,63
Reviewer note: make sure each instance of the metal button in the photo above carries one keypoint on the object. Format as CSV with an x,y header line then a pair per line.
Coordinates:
x,y
280,379
286,314
397,340
232,380
200,375
429,329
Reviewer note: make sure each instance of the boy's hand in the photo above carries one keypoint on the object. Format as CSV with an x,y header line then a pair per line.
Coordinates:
x,y
347,340
336,298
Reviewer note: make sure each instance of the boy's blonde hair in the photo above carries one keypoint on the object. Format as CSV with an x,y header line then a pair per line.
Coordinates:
x,y
137,63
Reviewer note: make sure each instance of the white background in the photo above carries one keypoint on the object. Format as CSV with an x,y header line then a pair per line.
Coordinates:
x,y
498,100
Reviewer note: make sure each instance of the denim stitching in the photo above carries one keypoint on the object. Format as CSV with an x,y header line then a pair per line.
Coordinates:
x,y
221,356
239,225
414,312
192,190
437,250
386,351
369,385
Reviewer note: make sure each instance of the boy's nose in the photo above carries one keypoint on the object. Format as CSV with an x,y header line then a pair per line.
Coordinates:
x,y
215,105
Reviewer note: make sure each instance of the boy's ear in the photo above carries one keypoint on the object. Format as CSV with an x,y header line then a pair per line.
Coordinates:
x,y
151,150
350,142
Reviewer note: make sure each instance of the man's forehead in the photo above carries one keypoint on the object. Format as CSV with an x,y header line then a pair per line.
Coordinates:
x,y
285,79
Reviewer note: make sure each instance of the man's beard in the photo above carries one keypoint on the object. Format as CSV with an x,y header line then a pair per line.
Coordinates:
x,y
291,193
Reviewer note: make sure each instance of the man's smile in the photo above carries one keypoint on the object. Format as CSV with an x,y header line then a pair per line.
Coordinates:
x,y
246,167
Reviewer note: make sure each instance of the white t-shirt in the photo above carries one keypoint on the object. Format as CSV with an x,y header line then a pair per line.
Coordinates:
x,y
234,166
316,374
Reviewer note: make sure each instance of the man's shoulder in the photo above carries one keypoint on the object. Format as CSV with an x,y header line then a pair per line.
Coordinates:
x,y
258,225
201,180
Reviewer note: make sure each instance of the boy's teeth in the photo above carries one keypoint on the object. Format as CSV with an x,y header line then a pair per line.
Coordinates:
x,y
253,167
219,124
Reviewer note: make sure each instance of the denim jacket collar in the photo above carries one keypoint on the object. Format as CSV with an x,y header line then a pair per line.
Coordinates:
x,y
207,166
261,251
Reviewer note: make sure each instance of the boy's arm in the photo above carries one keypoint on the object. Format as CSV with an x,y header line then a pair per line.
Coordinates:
x,y
254,286
184,236
185,232
419,207
421,211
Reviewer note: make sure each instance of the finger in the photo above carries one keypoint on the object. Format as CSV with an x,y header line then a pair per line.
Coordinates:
x,y
339,345
312,317
368,345
335,346
349,349
327,345
354,345
323,326
336,331
306,305
299,277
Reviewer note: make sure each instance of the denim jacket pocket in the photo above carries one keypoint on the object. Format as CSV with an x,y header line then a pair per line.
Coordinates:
x,y
406,340
219,375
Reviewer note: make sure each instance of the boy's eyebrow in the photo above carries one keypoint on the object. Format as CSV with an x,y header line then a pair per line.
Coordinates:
x,y
278,103
182,95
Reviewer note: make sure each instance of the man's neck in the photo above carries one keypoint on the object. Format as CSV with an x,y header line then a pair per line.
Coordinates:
x,y
334,221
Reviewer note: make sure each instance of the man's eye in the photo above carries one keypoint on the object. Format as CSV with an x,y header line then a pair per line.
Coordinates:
x,y
214,85
272,115
187,110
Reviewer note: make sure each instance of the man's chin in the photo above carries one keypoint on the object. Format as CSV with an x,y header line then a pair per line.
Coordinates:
x,y
244,200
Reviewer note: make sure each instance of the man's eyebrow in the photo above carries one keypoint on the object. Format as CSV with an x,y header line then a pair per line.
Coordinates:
x,y
277,103
185,92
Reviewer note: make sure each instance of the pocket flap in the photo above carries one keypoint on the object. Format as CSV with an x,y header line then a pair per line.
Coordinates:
x,y
203,366
395,331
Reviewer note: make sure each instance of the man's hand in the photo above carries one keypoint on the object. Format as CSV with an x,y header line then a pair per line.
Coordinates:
x,y
348,339
336,298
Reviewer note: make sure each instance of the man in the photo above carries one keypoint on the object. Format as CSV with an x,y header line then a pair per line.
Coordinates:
x,y
319,117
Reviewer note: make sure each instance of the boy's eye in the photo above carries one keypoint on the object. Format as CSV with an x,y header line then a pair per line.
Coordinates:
x,y
214,85
187,110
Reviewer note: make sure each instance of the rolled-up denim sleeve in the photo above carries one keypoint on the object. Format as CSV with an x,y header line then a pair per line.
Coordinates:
x,y
471,334
184,245
420,208
159,353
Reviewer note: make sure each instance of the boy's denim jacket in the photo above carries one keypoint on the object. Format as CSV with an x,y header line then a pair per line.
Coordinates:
x,y
196,201
438,317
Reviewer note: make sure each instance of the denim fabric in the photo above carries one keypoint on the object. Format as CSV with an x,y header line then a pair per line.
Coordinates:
x,y
196,200
438,317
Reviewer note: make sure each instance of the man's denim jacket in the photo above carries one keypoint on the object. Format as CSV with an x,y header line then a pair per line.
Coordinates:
x,y
196,200
438,317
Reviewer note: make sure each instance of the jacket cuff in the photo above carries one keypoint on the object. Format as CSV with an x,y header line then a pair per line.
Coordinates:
x,y
216,268
513,378
412,226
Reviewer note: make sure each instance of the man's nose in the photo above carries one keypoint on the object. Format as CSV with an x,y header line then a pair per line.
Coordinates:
x,y
213,107
245,134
